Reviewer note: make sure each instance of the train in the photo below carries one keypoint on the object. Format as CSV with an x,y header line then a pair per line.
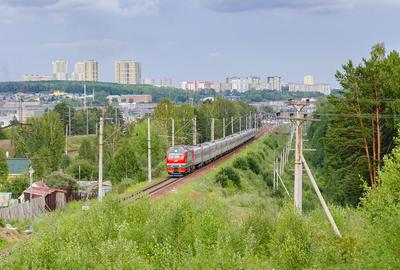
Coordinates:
x,y
184,159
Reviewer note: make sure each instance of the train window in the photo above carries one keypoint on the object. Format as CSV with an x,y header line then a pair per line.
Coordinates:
x,y
175,155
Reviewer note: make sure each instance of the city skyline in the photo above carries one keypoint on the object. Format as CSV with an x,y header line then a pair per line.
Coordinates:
x,y
173,40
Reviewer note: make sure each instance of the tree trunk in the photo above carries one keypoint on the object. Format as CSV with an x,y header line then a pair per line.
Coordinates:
x,y
364,138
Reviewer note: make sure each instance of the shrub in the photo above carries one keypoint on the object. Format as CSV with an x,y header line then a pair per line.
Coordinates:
x,y
228,174
15,186
60,180
253,164
123,186
240,163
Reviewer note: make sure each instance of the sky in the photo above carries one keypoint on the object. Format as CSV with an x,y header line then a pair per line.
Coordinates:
x,y
196,39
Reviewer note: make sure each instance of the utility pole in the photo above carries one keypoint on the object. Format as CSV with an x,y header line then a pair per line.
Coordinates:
x,y
246,122
212,129
66,140
240,124
173,132
298,121
223,127
194,131
231,125
69,120
100,191
31,172
274,183
116,116
148,149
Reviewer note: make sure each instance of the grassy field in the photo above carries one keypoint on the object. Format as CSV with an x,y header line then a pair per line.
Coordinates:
x,y
243,225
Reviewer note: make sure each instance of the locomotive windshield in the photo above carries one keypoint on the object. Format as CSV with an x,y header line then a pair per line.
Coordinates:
x,y
175,155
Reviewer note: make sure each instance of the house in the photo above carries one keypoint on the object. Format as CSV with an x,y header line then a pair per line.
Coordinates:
x,y
17,167
40,189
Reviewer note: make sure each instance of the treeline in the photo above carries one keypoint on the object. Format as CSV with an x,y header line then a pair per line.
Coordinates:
x,y
125,148
177,95
357,127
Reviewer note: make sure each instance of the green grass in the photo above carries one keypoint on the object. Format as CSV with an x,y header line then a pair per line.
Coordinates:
x,y
202,226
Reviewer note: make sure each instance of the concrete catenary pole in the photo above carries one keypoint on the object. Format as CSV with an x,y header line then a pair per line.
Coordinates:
x,y
240,124
223,127
246,122
212,129
69,120
194,131
101,128
31,172
298,167
148,149
173,132
231,125
66,140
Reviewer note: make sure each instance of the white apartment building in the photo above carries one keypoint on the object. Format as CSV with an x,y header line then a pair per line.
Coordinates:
x,y
149,81
60,70
301,87
127,72
308,79
35,78
274,83
166,82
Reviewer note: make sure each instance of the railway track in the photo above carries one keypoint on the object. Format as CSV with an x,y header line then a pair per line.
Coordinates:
x,y
156,189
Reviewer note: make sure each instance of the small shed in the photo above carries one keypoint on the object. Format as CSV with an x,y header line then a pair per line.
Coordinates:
x,y
40,189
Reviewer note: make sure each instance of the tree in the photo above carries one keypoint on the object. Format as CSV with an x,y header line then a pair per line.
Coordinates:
x,y
355,132
82,169
43,142
126,165
64,109
3,165
86,150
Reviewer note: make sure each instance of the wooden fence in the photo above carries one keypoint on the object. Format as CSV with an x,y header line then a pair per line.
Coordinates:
x,y
21,211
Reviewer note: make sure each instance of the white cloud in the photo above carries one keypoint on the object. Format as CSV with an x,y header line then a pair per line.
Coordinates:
x,y
13,10
90,46
215,55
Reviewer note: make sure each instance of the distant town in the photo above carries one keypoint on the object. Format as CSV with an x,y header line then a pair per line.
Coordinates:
x,y
130,72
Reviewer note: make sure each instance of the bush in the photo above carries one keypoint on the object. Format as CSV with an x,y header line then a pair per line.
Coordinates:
x,y
240,163
253,164
228,174
60,180
15,186
123,186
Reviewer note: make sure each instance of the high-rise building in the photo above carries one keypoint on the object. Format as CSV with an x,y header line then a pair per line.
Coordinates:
x,y
274,83
60,70
253,83
308,79
86,71
166,82
127,72
235,83
148,81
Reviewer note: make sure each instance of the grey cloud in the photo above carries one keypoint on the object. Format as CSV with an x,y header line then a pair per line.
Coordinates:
x,y
17,10
322,6
28,3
